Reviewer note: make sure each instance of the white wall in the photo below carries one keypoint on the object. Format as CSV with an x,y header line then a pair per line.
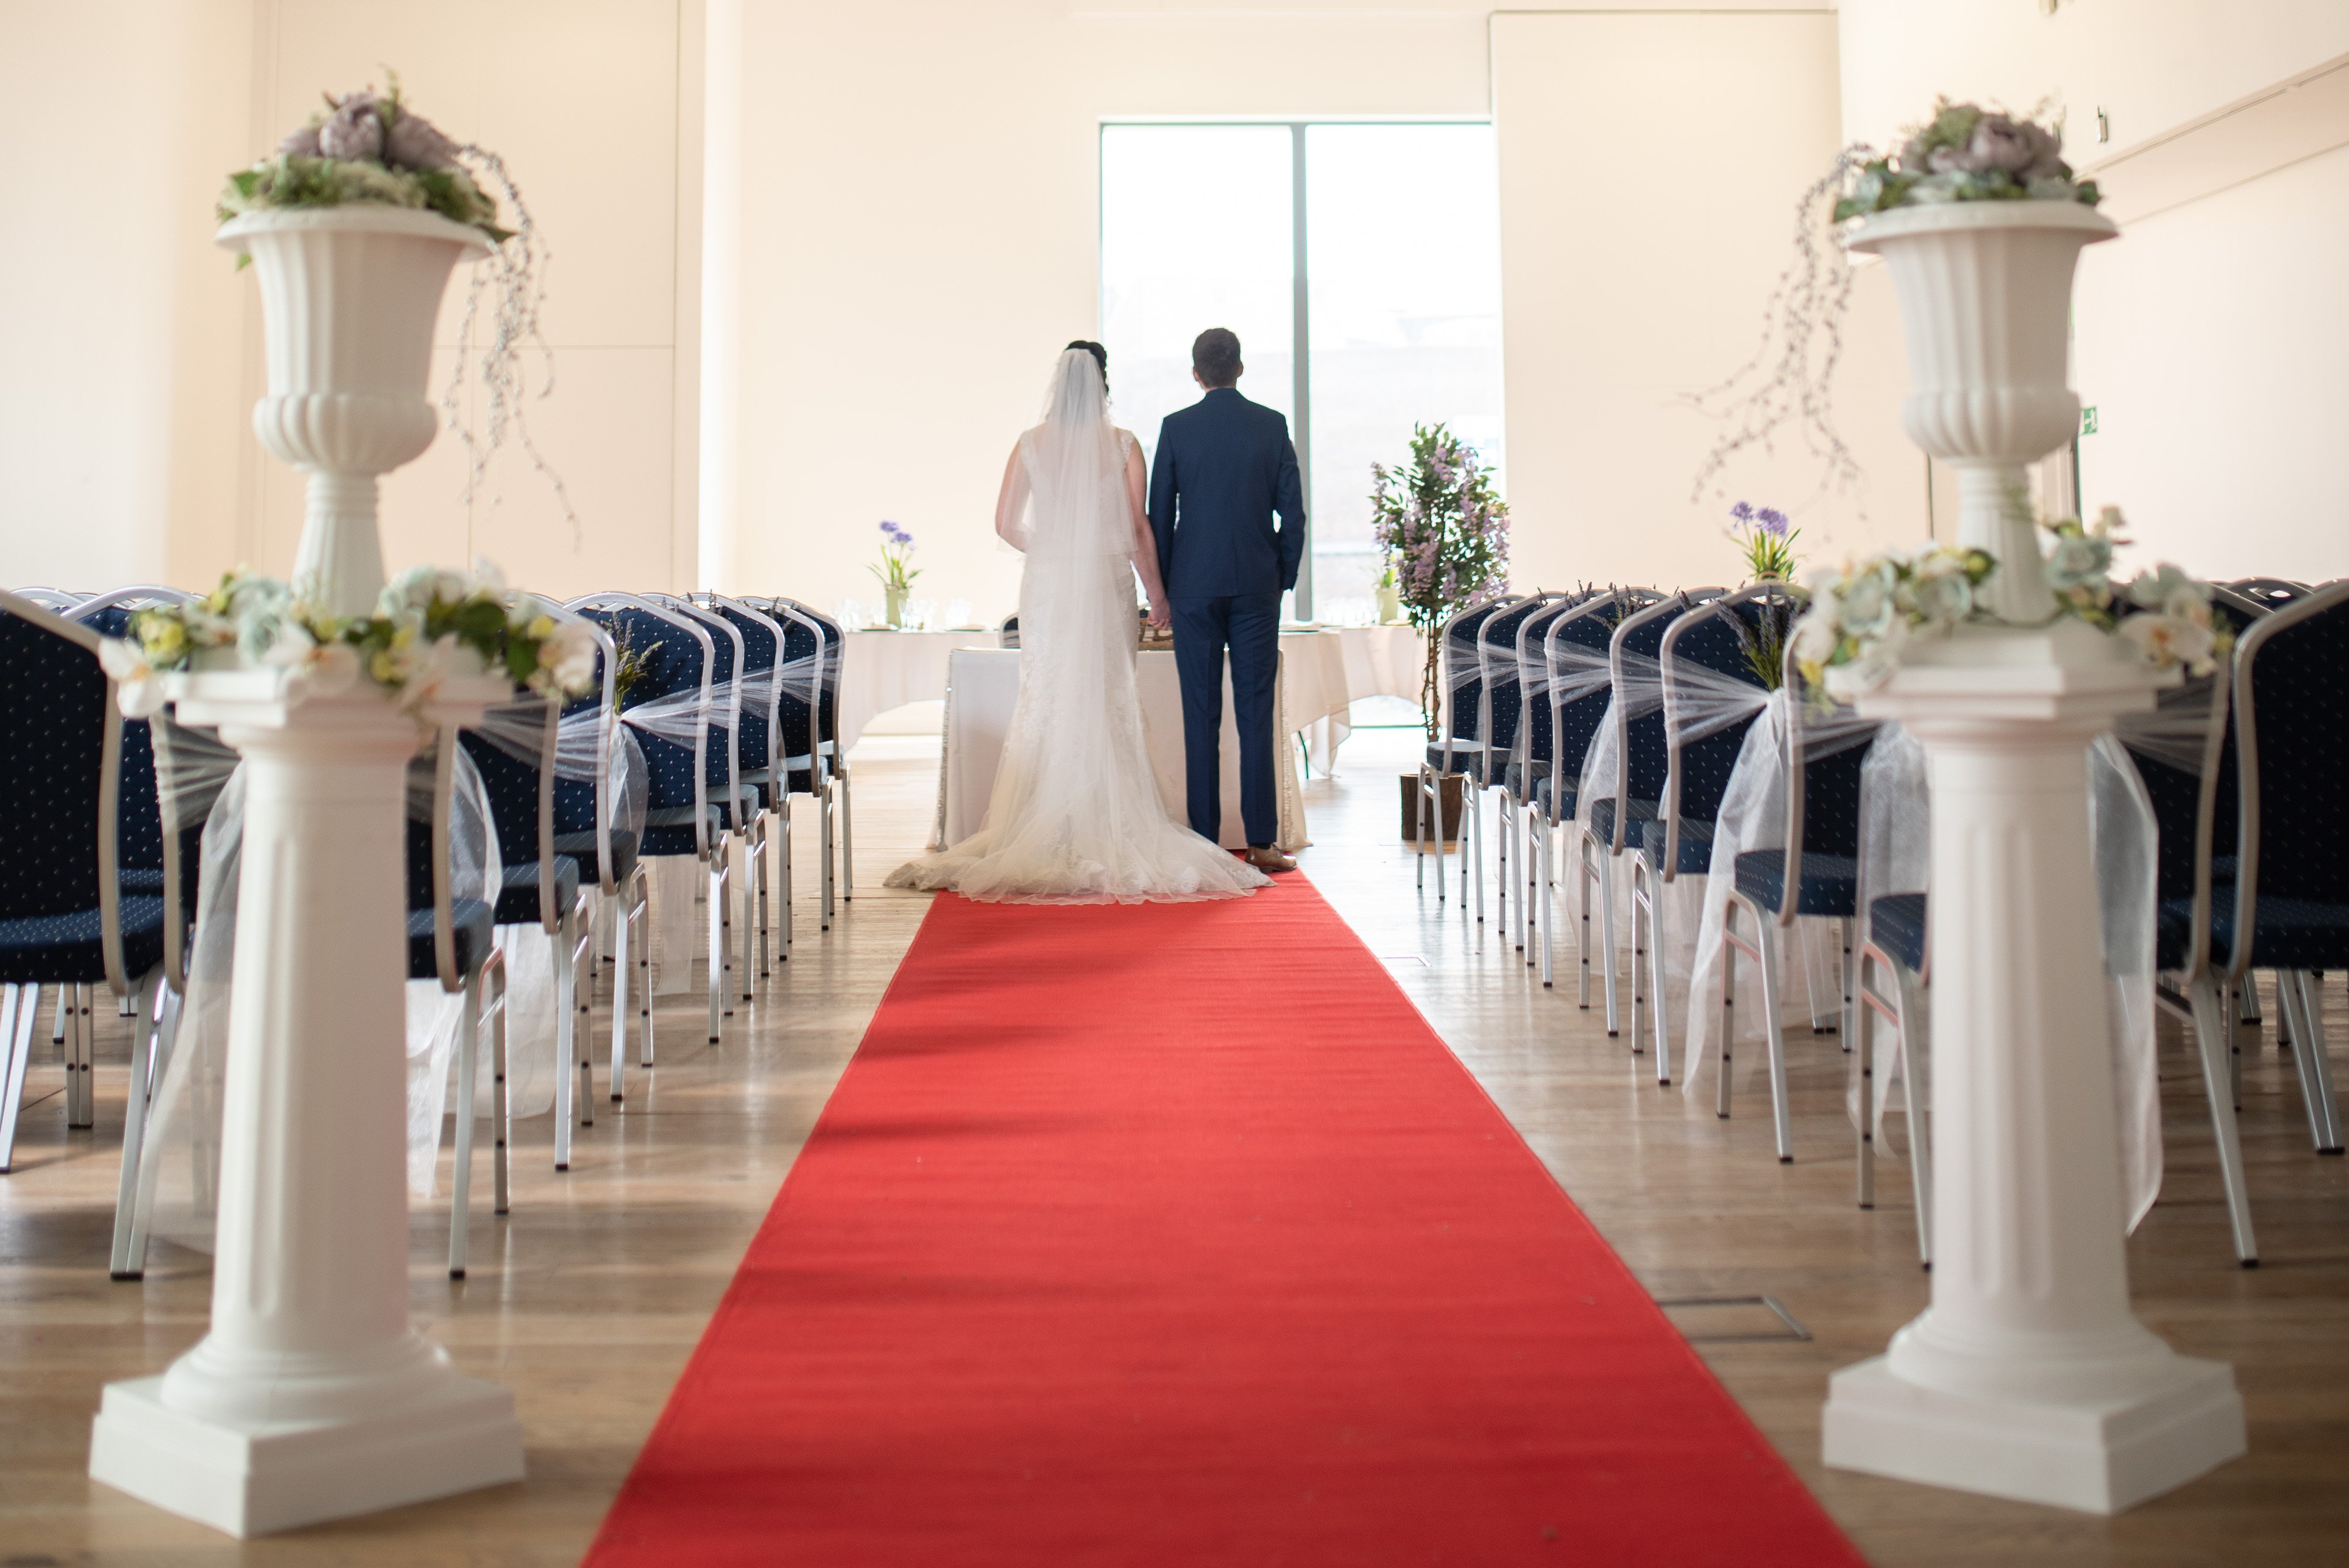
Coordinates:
x,y
119,349
920,232
130,347
1650,170
2210,337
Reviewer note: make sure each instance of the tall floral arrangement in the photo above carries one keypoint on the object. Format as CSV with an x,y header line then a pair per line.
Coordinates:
x,y
1961,152
369,148
1444,533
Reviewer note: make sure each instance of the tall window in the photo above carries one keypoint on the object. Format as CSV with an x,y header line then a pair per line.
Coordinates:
x,y
1360,265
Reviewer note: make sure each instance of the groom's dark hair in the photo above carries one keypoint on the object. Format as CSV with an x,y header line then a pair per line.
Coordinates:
x,y
1215,356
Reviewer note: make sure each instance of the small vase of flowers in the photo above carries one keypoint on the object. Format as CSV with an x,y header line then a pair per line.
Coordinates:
x,y
896,570
1390,591
1762,533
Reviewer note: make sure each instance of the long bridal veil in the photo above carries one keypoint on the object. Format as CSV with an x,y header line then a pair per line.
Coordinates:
x,y
1076,816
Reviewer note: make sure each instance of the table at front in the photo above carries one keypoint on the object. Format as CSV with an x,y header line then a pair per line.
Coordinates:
x,y
983,685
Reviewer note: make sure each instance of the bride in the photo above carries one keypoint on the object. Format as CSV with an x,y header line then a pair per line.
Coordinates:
x,y
1076,816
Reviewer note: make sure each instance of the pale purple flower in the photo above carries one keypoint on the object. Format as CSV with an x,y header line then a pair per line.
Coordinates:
x,y
354,130
1772,521
2002,142
416,142
301,143
1743,511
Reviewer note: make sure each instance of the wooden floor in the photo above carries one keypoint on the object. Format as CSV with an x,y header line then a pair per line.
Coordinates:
x,y
586,1301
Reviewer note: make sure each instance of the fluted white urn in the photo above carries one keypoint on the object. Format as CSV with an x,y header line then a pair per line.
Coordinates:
x,y
348,298
1986,292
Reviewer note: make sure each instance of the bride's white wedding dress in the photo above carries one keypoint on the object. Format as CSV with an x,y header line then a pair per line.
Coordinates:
x,y
1076,816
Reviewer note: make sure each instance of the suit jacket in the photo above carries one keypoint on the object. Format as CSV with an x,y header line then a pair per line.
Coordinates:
x,y
1225,466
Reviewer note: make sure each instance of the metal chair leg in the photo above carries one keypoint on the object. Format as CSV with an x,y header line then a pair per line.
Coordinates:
x,y
1607,953
566,1034
460,1195
1639,968
1782,1114
501,1107
623,930
1915,1065
1657,952
717,933
2213,1038
2296,990
1550,897
847,836
783,873
1864,1045
1419,818
1729,954
19,1007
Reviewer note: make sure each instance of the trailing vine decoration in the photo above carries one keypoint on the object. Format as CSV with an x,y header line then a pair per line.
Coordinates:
x,y
1790,378
516,270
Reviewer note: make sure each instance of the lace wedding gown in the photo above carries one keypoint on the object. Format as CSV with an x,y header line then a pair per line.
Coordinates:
x,y
1075,816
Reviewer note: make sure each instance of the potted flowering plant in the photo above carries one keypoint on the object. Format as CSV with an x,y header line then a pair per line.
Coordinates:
x,y
896,570
1445,536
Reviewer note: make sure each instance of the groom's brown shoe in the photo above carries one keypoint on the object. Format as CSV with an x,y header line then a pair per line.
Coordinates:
x,y
1266,859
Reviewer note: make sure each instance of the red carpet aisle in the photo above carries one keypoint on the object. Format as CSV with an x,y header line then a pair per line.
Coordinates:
x,y
1172,1235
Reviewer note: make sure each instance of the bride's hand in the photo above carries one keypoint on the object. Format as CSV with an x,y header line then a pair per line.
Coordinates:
x,y
1160,618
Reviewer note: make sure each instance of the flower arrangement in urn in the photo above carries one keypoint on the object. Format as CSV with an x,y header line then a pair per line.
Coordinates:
x,y
896,570
1961,152
430,626
1445,535
369,148
1967,153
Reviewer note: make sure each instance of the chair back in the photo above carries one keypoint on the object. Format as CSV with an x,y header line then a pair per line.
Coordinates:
x,y
2292,751
1823,758
1722,639
679,656
755,741
150,859
1536,734
723,758
60,776
54,599
1642,758
2269,592
521,790
1498,670
826,718
1575,647
799,699
1460,688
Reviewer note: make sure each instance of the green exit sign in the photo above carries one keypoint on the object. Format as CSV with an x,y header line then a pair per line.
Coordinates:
x,y
2088,420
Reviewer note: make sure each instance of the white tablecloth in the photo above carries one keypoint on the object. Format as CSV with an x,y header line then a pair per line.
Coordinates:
x,y
984,686
889,669
1326,672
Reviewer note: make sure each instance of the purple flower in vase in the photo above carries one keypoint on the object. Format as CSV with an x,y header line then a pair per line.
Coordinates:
x,y
1772,521
1743,511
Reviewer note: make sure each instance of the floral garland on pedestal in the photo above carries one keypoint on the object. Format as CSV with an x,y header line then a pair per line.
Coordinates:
x,y
430,627
1849,641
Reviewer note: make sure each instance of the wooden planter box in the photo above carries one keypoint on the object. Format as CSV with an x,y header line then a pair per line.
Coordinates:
x,y
1447,796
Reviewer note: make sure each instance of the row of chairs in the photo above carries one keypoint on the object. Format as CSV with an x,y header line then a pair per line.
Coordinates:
x,y
1532,680
743,697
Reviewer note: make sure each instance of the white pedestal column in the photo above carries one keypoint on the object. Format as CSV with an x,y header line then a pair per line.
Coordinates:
x,y
312,1397
2028,1376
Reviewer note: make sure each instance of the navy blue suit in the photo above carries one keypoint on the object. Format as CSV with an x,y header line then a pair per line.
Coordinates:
x,y
1225,466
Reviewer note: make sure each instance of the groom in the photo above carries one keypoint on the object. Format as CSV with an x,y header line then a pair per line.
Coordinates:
x,y
1225,466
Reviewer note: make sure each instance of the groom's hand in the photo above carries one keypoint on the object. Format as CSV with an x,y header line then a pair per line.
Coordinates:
x,y
1160,618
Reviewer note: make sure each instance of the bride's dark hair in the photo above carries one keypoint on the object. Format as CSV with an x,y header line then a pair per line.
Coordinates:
x,y
1100,358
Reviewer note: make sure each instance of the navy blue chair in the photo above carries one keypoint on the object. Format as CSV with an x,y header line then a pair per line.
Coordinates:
x,y
1574,644
731,813
1462,718
756,733
840,791
1815,872
1533,757
67,916
452,938
1502,680
1705,659
679,660
539,886
1629,798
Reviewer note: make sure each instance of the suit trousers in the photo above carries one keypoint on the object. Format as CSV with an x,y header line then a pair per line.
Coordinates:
x,y
1249,625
